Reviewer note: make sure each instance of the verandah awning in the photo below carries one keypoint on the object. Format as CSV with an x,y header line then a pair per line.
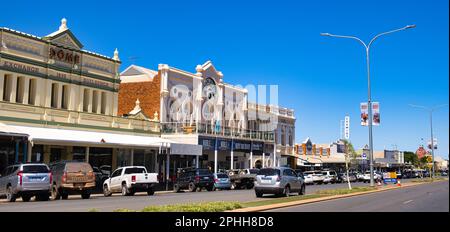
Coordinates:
x,y
54,136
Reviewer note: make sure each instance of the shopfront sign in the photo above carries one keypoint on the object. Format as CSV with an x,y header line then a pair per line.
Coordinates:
x,y
63,55
207,143
257,146
241,145
223,144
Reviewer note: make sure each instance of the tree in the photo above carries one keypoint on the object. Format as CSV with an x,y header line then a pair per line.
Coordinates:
x,y
349,152
411,157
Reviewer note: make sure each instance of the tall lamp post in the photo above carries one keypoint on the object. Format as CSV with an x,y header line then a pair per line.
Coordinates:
x,y
369,100
430,111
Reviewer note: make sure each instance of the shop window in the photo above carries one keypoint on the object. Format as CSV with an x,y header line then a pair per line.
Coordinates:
x,y
65,97
86,100
54,99
55,154
101,158
20,89
32,92
79,153
103,103
94,101
37,153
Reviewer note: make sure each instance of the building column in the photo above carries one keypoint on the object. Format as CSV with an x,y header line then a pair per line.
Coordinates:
x,y
89,100
47,97
29,150
25,151
99,102
86,158
215,160
107,103
167,170
251,159
274,155
115,101
26,90
114,159
263,160
197,160
79,105
232,158
59,96
73,97
12,83
2,82
132,157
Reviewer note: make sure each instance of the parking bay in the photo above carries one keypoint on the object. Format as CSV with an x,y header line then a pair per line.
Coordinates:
x,y
105,204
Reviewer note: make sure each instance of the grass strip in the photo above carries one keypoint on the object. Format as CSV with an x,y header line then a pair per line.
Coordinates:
x,y
218,206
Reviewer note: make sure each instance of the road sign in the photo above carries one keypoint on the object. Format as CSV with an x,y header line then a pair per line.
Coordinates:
x,y
364,156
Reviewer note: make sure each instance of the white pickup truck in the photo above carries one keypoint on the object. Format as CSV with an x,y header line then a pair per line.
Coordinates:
x,y
129,180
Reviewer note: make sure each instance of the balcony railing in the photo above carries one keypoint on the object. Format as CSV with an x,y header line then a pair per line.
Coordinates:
x,y
208,129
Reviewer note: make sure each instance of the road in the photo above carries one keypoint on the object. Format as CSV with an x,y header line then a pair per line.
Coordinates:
x,y
433,197
105,204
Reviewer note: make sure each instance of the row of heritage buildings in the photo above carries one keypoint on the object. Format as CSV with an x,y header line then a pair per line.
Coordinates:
x,y
61,102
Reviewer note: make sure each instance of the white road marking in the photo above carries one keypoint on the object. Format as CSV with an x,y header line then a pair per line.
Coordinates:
x,y
406,202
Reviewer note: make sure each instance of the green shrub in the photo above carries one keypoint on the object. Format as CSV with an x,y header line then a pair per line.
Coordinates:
x,y
219,206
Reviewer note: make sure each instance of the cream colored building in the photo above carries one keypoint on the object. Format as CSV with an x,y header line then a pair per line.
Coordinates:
x,y
64,100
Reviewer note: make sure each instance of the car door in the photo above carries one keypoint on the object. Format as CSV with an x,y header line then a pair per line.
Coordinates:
x,y
294,178
115,180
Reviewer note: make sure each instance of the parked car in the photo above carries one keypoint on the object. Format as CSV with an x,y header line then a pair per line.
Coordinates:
x,y
100,177
242,178
26,181
129,180
72,177
376,176
359,176
330,176
317,176
307,178
444,173
193,179
279,181
222,181
351,177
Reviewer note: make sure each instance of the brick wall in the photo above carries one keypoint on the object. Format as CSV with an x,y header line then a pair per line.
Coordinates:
x,y
148,94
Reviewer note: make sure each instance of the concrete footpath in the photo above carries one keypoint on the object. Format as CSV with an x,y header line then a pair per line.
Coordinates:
x,y
327,198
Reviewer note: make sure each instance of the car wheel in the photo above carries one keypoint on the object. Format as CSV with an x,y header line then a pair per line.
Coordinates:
x,y
10,196
258,194
64,196
86,195
192,187
250,186
106,191
209,189
287,191
176,188
42,197
125,191
150,192
302,190
26,198
55,193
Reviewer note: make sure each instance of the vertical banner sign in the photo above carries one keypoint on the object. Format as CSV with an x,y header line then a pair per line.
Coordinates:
x,y
347,127
376,113
365,114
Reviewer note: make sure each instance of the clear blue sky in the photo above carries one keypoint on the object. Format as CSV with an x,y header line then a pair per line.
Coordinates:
x,y
278,42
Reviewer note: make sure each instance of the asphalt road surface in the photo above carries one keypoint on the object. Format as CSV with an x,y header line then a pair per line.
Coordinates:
x,y
432,197
139,201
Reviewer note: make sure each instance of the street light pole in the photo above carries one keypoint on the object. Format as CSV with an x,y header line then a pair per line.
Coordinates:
x,y
430,111
369,98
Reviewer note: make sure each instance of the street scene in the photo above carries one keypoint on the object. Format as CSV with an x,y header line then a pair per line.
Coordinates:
x,y
242,113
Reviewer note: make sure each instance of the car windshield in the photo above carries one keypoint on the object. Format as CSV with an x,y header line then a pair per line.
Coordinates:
x,y
78,167
134,170
254,171
269,172
221,175
35,169
204,172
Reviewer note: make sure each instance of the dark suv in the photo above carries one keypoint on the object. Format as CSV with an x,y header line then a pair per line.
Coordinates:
x,y
72,177
194,179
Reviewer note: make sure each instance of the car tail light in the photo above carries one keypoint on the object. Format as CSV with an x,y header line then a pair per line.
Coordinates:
x,y
20,175
91,175
278,178
197,178
133,178
50,177
64,177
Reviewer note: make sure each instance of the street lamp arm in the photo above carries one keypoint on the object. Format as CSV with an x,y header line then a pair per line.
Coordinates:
x,y
439,106
388,32
345,37
417,106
